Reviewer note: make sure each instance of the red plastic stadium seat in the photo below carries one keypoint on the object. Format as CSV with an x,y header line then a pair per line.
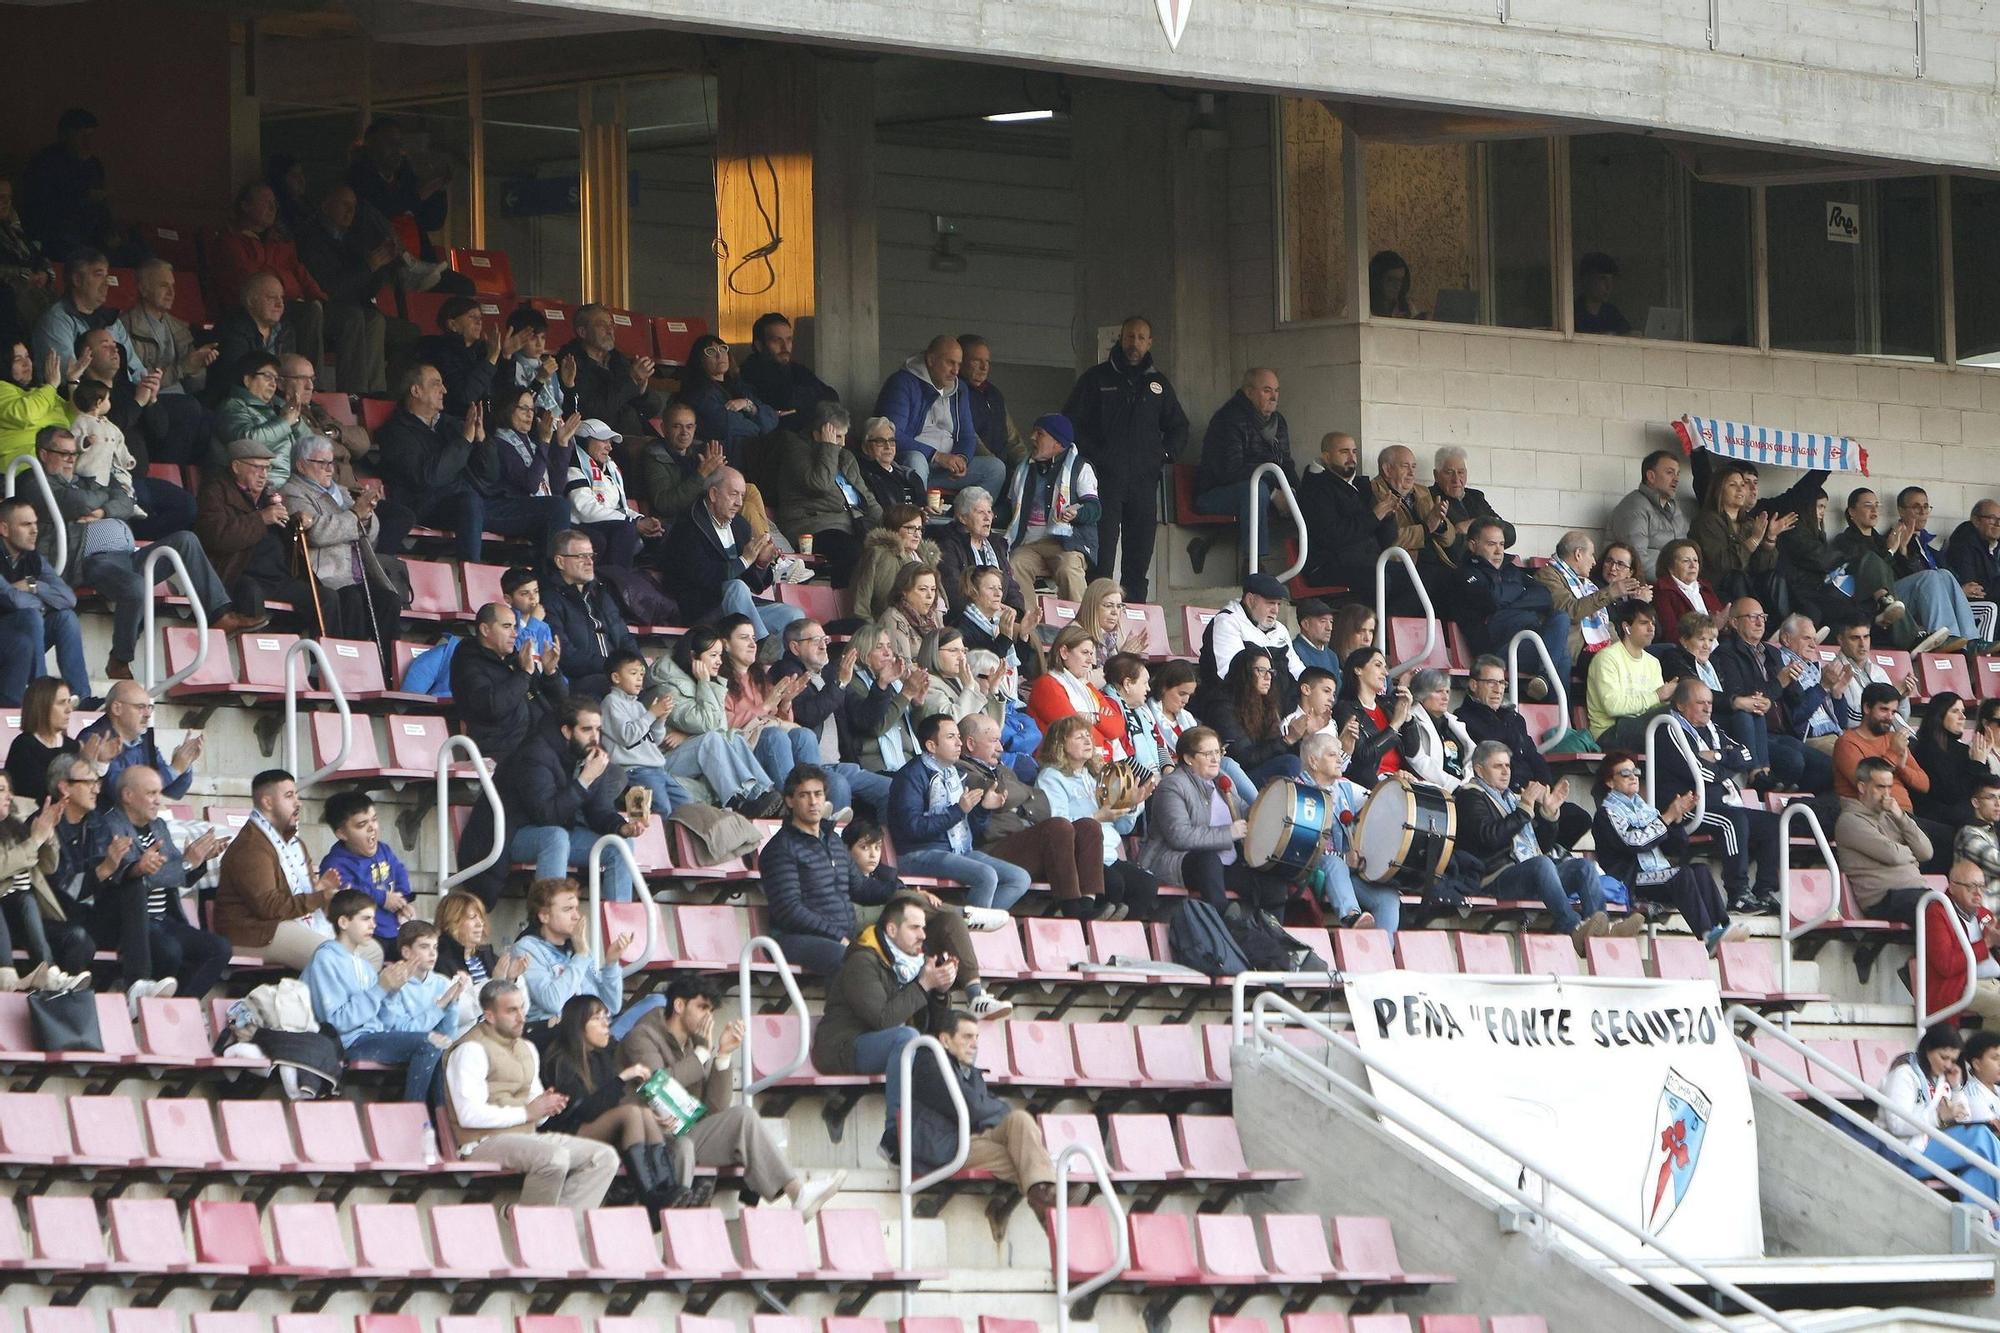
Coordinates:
x,y
33,1129
545,1241
1425,951
1194,623
1750,970
389,1241
1054,944
1448,1323
697,1244
711,935
1680,958
1210,1146
257,1134
1366,1245
1236,1323
329,1134
468,1243
375,413
1896,664
993,1323
1162,1249
1297,1245
1142,1146
999,953
1939,672
489,270
1185,514
306,1240
1170,1055
339,406
183,1133
673,337
433,591
1363,951
1840,1053
228,1233
1039,1053
851,1239
1986,676
1483,955
1549,954
1059,1131
1406,640
1380,1323
107,1130
1106,1055
1227,1243
1612,956
622,1245
60,1318
776,1240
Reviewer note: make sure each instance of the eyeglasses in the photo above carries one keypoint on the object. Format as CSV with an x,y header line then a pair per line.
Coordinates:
x,y
315,462
880,439
61,453
1262,671
911,527
1208,752
813,638
578,555
1624,773
1609,563
265,375
1963,884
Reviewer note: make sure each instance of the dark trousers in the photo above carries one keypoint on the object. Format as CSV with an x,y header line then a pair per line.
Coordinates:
x,y
1130,501
169,509
44,940
1213,881
1744,836
537,518
347,612
394,524
840,548
616,541
944,932
1693,893
1898,905
176,426
153,947
1137,890
1068,854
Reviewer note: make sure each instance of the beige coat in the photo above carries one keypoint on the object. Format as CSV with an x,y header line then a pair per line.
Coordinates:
x,y
1878,852
334,533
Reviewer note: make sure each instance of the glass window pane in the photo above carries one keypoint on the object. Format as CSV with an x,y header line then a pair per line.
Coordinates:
x,y
1314,210
1975,220
531,189
1420,210
1659,253
1854,267
1518,235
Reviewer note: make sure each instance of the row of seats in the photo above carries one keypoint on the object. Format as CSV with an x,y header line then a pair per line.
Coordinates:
x,y
1864,1058
1223,1250
72,1319
451,1243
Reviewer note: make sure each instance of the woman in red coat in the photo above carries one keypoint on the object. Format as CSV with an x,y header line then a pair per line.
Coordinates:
x,y
1069,686
1680,588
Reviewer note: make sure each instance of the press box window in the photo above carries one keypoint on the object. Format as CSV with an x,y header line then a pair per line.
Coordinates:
x,y
1460,233
1854,267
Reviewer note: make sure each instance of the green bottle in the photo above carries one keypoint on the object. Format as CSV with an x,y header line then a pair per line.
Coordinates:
x,y
678,1108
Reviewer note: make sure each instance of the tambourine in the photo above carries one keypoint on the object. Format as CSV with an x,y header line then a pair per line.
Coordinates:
x,y
1119,783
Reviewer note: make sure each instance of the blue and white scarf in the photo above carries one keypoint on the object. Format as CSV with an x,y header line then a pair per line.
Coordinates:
x,y
1596,626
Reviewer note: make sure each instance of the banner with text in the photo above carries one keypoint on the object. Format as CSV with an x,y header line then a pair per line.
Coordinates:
x,y
1631,1091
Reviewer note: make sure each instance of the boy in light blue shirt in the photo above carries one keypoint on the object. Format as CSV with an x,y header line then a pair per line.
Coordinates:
x,y
427,1002
350,996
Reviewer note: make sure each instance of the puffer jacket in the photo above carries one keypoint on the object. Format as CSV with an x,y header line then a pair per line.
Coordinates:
x,y
1178,821
243,417
699,706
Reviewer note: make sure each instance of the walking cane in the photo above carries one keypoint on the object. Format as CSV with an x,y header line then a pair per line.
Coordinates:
x,y
303,566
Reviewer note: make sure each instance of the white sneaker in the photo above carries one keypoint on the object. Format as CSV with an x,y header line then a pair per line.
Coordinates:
x,y
813,1195
985,918
1930,641
986,1005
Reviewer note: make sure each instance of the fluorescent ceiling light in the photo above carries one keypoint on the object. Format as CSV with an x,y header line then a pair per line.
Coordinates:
x,y
1013,117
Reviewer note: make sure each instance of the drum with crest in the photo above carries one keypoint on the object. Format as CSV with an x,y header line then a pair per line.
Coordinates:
x,y
1287,824
1405,834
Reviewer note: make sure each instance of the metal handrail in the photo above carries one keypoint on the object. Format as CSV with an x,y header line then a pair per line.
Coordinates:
x,y
748,1087
1121,1240
1787,932
1284,488
1382,639
1666,719
1739,1013
1556,683
1239,1017
1919,970
905,1186
30,463
1336,1080
623,846
293,651
149,579
447,877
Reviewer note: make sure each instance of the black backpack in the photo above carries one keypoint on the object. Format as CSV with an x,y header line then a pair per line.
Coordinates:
x,y
1197,938
1263,941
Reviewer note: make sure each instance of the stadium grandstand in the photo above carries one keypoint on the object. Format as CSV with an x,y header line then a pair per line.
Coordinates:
x,y
1257,666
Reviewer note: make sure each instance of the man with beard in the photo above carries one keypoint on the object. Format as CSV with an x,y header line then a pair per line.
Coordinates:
x,y
560,792
775,376
1129,425
1881,734
268,904
605,384
1350,525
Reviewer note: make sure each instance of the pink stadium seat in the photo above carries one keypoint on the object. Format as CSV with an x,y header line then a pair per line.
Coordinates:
x,y
375,412
780,1323
1939,672
695,1323
1296,1243
67,1233
931,1323
1211,1149
146,1236
306,1240
182,1130
329,1134
1194,619
1106,1055
1216,1041
396,1131
133,1319
710,936
622,1245
414,743
1544,954
697,1244
1424,951
1838,1052
1772,1057
1986,676
389,1241
433,591
263,660
1143,1146
631,333
1162,1249
216,676
1517,1323
1874,1055
1680,958
311,1323
1313,937
1363,951
59,1318
1124,940
34,1130
1059,1131
853,1243
226,1321
257,1134
545,1241
993,1323
482,585
107,1131
1366,1245
608,1323
1749,969
1380,1323
1091,1248
775,1240
630,919
175,1031
1406,640
1227,1243
858,1324
817,600
229,1233
468,1244
1170,1055
1483,955
388,1323
548,1323
1039,1053
1236,1323
1611,956
1054,944
471,1323
999,953
1448,1323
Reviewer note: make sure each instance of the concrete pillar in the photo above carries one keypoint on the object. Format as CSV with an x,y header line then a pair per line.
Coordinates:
x,y
842,341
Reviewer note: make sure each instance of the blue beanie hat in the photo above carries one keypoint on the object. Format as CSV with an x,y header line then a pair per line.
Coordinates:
x,y
1056,424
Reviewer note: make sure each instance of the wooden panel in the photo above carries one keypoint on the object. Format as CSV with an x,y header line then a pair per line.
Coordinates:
x,y
764,187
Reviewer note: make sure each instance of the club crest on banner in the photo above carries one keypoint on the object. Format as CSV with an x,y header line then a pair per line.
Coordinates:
x,y
1679,1126
1174,17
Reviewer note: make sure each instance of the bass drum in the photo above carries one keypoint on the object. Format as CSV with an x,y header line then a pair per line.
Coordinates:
x,y
1287,824
1405,835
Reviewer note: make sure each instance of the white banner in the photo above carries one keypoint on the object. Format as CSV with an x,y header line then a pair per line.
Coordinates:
x,y
1631,1091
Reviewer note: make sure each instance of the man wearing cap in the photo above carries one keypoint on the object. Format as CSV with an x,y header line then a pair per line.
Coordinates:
x,y
243,525
359,596
1313,645
1129,420
104,554
1250,619
1052,510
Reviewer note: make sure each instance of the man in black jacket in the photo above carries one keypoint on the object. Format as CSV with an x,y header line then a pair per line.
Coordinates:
x,y
501,694
464,355
437,465
787,385
1487,716
1754,675
712,565
605,384
561,793
1498,599
1005,1140
1245,433
1349,527
1973,552
1129,425
582,614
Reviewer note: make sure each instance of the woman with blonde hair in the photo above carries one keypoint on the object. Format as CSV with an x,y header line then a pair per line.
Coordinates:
x,y
1102,612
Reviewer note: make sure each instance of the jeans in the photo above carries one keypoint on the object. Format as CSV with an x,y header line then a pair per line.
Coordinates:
x,y
1345,894
881,1053
1244,786
1553,882
819,955
1235,499
781,749
1935,601
1552,628
1982,1143
616,541
415,1050
988,881
556,850
990,473
721,760
768,617
667,794
847,783
537,517
116,576
25,638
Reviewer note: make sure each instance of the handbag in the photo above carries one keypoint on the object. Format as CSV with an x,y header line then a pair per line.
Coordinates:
x,y
65,1020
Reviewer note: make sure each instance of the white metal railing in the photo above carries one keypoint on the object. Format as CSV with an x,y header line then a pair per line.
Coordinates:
x,y
620,844
1556,683
1121,1240
1284,488
1667,719
1787,932
1383,639
447,877
907,1188
296,649
1238,984
1920,970
1740,1014
1290,1058
149,578
28,462
748,1085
